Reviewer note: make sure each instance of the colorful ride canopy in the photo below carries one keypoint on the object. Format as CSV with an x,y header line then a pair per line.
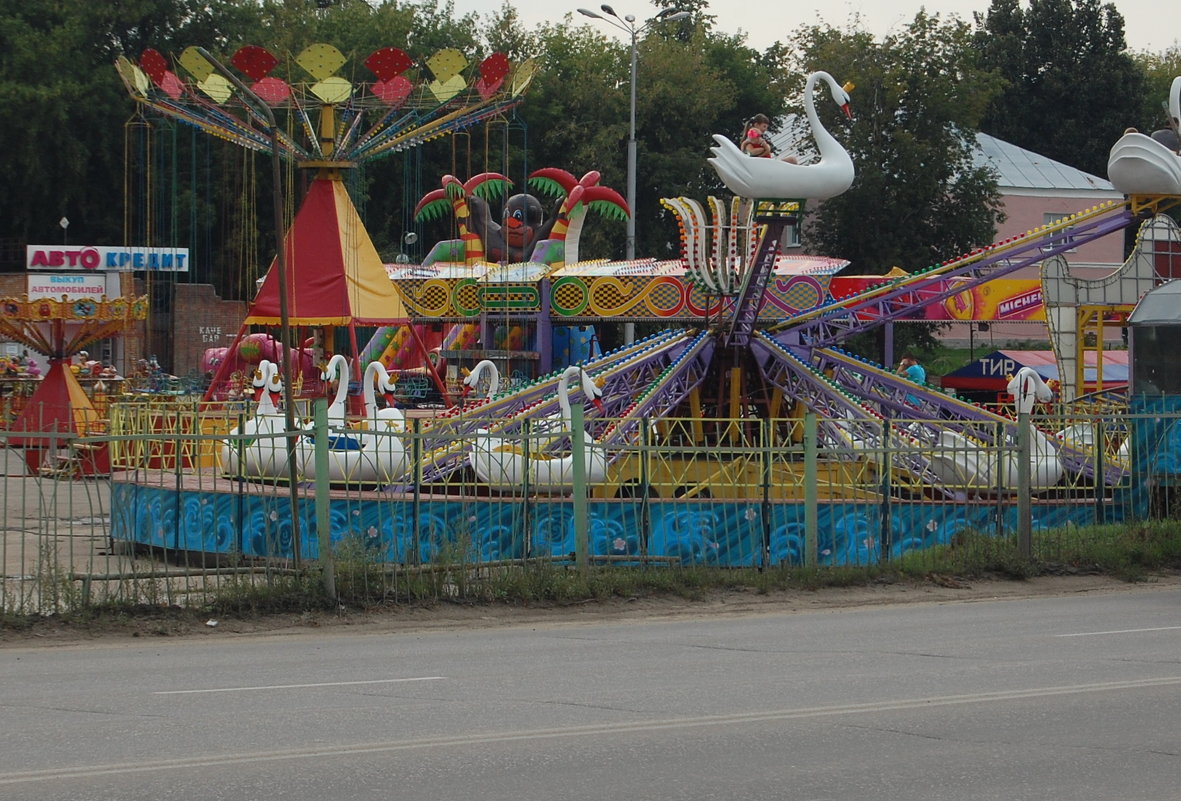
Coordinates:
x,y
407,102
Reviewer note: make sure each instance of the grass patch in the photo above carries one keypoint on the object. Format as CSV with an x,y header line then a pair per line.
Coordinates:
x,y
362,582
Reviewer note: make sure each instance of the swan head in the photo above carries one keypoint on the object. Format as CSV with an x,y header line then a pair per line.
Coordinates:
x,y
336,367
1175,101
474,376
274,382
840,96
593,392
259,380
1027,386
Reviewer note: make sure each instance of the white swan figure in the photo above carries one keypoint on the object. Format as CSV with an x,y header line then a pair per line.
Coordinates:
x,y
1140,165
751,177
963,464
472,379
337,370
377,378
374,455
383,454
1081,437
504,466
264,455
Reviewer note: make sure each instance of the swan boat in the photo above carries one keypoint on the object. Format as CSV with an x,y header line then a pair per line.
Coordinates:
x,y
751,177
964,464
263,454
505,466
1140,165
373,454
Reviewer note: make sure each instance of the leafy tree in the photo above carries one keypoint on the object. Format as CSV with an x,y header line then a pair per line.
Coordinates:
x,y
1071,86
63,143
691,82
918,198
919,94
1159,71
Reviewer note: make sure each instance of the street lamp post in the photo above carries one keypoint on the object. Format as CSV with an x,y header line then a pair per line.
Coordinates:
x,y
627,24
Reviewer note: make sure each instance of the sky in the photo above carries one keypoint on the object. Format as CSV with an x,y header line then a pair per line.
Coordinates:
x,y
765,22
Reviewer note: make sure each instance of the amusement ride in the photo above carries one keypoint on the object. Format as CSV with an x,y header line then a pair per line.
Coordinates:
x,y
751,339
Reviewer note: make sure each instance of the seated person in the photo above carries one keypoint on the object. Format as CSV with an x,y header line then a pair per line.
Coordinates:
x,y
910,369
754,140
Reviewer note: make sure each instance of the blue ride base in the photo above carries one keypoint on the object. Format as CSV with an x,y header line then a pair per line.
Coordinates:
x,y
232,518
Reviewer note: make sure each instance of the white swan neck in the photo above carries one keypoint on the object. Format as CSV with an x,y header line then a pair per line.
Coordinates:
x,y
368,391
493,380
564,391
825,142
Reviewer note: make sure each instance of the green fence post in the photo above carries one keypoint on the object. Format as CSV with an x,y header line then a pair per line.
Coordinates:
x,y
886,532
768,433
811,512
578,454
323,529
645,486
1024,488
1100,483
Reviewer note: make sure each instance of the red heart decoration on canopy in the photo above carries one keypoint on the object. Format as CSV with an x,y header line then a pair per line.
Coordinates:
x,y
255,62
154,64
493,71
394,91
272,90
388,62
172,85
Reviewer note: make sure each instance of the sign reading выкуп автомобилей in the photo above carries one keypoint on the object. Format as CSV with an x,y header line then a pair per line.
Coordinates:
x,y
103,257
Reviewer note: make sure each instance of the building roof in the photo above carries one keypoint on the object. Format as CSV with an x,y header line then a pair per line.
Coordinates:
x,y
1030,173
1159,306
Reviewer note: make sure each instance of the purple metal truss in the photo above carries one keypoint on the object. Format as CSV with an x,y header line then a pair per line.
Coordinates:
x,y
508,405
624,373
888,393
837,321
665,391
745,312
845,423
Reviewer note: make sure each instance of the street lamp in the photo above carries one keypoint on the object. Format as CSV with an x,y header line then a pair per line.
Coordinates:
x,y
627,24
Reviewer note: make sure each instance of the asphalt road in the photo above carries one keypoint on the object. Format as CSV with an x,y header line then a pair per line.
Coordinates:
x,y
1058,698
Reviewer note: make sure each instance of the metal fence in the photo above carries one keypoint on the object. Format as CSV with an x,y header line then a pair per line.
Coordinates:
x,y
164,508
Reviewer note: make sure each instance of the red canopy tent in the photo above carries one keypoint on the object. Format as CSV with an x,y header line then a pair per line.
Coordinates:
x,y
334,275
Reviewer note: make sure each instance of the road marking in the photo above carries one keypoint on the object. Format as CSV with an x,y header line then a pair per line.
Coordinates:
x,y
295,686
1118,631
214,760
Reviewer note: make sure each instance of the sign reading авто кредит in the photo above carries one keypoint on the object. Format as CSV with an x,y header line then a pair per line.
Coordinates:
x,y
102,257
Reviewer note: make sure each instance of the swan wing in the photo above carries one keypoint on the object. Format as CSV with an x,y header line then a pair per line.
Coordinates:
x,y
751,177
1138,164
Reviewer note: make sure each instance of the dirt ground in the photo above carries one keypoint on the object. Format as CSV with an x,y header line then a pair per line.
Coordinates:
x,y
176,622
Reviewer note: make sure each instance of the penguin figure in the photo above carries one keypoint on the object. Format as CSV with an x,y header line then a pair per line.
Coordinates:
x,y
523,225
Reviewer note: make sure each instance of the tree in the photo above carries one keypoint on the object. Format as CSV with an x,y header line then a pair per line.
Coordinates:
x,y
62,144
691,83
1071,87
918,197
1159,71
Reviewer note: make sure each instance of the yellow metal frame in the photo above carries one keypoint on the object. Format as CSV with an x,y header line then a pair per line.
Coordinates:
x,y
1094,319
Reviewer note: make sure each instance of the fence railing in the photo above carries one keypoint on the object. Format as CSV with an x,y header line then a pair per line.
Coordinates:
x,y
180,502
